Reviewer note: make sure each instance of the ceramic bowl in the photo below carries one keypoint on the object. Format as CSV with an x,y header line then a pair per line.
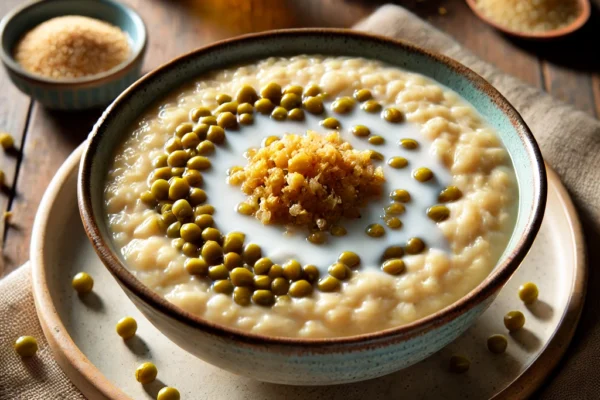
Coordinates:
x,y
312,361
80,93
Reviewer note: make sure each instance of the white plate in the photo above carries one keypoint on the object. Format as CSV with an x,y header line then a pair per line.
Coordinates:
x,y
81,331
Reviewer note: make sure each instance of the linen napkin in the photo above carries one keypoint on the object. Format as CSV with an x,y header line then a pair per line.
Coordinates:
x,y
570,142
33,378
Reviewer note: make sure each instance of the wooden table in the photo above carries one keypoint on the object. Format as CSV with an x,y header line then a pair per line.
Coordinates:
x,y
569,69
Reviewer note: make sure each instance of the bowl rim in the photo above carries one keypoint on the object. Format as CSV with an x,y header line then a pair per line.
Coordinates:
x,y
138,49
494,281
584,14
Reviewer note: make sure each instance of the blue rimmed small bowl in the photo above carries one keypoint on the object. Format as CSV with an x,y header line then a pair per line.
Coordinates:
x,y
80,93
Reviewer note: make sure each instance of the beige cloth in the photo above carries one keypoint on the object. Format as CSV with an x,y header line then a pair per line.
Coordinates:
x,y
570,142
34,378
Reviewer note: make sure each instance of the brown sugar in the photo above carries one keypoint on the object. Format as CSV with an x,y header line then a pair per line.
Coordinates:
x,y
72,47
310,180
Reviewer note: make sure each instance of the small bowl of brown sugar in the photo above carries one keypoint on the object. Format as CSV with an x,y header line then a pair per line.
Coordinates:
x,y
73,54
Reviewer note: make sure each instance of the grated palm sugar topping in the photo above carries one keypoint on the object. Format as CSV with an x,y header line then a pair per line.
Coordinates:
x,y
310,180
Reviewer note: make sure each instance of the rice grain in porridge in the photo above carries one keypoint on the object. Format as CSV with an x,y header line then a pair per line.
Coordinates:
x,y
458,147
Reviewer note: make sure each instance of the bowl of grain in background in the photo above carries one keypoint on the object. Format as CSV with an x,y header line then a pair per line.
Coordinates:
x,y
533,19
73,54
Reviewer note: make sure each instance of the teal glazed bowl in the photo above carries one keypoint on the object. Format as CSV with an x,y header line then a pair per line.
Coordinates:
x,y
313,361
80,93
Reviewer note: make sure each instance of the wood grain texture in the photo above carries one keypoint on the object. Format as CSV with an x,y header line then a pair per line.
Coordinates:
x,y
571,65
14,108
51,137
457,19
570,87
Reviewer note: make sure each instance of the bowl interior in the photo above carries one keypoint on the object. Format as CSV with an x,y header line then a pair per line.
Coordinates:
x,y
16,24
523,151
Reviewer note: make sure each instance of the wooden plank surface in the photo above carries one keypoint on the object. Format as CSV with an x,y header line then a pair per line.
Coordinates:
x,y
570,87
572,64
570,72
14,109
457,19
51,137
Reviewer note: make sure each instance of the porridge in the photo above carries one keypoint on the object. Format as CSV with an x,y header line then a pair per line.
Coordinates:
x,y
311,197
